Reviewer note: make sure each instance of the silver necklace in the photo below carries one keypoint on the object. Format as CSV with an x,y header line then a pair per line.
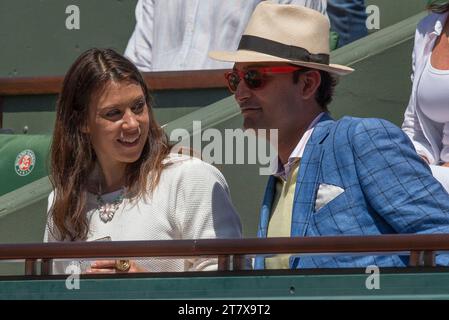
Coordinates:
x,y
106,211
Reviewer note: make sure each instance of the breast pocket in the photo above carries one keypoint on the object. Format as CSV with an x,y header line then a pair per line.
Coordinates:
x,y
336,217
325,194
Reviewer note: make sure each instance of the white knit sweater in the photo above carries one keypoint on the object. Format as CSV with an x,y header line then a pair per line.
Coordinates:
x,y
191,201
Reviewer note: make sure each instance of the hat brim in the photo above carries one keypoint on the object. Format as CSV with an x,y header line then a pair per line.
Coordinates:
x,y
253,56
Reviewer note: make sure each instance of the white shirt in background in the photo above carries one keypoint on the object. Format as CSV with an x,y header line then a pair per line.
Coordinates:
x,y
178,34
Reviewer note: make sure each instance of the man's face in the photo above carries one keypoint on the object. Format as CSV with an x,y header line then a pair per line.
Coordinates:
x,y
273,106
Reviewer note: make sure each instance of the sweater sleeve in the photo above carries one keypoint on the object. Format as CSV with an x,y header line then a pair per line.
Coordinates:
x,y
204,209
50,235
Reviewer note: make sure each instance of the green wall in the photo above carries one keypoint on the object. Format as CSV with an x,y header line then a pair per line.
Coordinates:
x,y
35,41
393,11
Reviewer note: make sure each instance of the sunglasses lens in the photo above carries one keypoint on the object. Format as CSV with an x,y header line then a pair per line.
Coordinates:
x,y
253,79
233,81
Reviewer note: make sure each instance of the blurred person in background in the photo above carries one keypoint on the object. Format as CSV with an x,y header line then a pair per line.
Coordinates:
x,y
348,19
426,119
177,34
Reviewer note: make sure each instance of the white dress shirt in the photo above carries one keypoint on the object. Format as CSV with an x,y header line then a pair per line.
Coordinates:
x,y
284,169
178,34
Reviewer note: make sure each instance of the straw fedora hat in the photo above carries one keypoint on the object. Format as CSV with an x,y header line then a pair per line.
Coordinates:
x,y
285,33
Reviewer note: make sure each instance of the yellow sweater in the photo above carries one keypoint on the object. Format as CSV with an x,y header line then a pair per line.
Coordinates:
x,y
281,216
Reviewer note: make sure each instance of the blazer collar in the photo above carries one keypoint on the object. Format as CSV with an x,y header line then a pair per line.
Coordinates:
x,y
321,131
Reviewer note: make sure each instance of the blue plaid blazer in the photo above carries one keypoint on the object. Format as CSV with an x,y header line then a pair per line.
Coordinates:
x,y
387,189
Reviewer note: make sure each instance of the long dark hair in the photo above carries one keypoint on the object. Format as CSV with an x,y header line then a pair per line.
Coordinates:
x,y
72,155
438,6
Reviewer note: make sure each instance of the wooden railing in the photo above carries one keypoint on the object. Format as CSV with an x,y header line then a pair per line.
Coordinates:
x,y
422,249
170,80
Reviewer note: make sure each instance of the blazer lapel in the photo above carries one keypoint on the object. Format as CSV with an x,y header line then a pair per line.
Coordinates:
x,y
266,208
307,181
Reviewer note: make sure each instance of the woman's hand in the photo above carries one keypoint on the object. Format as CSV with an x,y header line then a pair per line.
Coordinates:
x,y
114,266
446,164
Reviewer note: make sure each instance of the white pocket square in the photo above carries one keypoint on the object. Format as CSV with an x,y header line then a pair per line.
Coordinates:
x,y
326,193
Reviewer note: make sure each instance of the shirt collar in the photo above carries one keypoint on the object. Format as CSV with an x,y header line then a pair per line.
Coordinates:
x,y
284,170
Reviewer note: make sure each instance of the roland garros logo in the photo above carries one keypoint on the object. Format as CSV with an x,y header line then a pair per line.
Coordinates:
x,y
25,162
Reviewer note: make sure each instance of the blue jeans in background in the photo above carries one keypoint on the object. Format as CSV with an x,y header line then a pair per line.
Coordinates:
x,y
348,19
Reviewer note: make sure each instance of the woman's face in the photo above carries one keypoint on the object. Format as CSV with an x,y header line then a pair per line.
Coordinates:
x,y
118,124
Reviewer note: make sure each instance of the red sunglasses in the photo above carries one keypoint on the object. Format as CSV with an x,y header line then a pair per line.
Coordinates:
x,y
255,78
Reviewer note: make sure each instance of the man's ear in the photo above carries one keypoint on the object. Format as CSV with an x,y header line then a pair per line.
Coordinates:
x,y
311,81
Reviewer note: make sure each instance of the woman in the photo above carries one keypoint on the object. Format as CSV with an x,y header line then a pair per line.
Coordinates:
x,y
113,174
427,116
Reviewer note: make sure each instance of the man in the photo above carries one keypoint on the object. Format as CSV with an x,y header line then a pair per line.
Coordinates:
x,y
177,34
348,177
